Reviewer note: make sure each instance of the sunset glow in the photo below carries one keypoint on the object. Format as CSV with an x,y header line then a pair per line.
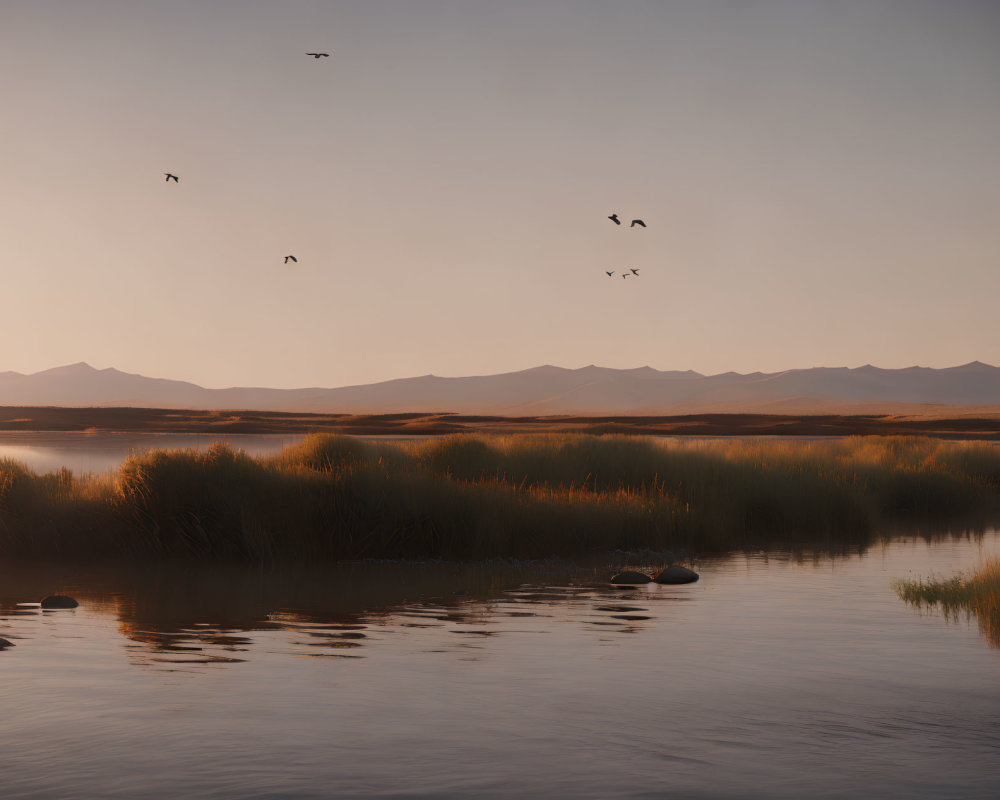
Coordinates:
x,y
820,181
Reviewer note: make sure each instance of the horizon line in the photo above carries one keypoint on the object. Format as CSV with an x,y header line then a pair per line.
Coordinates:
x,y
90,367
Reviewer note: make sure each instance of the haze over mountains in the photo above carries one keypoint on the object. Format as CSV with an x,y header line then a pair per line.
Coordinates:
x,y
545,390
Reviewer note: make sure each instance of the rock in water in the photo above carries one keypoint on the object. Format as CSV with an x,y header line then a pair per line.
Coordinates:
x,y
676,574
631,576
59,601
5,643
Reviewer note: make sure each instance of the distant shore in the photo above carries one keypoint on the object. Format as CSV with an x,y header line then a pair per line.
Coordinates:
x,y
150,420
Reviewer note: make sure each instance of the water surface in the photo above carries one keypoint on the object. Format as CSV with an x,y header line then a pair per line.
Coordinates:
x,y
103,451
770,677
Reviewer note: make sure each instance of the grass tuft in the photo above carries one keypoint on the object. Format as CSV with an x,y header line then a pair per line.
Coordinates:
x,y
976,593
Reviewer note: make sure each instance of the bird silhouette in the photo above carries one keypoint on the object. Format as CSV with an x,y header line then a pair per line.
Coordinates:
x,y
293,258
318,55
610,273
624,275
169,176
614,219
634,270
637,222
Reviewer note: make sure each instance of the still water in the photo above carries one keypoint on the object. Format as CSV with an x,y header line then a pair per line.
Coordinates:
x,y
104,451
770,677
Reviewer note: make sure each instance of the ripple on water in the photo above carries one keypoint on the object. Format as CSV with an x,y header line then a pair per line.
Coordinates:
x,y
797,678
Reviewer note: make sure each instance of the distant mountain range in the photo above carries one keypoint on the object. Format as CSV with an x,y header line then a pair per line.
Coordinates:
x,y
539,391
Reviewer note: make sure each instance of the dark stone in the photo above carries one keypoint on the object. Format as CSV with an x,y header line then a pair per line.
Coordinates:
x,y
59,601
631,576
676,574
5,643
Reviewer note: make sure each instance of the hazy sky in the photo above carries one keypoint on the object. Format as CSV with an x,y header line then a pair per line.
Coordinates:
x,y
820,180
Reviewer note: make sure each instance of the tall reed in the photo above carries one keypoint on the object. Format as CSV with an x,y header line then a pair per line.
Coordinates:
x,y
463,496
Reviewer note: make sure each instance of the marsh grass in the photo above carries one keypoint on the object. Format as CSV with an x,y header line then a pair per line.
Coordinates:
x,y
973,594
468,496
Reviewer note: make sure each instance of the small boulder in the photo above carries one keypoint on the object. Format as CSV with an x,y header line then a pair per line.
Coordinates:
x,y
630,576
5,643
59,601
676,574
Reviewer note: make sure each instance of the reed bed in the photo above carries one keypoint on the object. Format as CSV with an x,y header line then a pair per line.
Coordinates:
x,y
473,497
973,594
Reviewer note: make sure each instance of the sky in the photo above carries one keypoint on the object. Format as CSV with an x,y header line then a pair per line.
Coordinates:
x,y
820,181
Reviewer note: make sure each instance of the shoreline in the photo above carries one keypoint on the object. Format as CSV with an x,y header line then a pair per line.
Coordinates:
x,y
157,420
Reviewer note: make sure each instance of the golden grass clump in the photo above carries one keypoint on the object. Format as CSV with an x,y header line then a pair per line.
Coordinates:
x,y
976,593
475,496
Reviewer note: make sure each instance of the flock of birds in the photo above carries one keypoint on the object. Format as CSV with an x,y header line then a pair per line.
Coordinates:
x,y
613,217
632,270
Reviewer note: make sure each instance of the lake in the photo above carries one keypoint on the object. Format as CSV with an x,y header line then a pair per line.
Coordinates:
x,y
103,451
771,677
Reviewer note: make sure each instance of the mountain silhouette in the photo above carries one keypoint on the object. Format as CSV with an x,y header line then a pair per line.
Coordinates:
x,y
545,390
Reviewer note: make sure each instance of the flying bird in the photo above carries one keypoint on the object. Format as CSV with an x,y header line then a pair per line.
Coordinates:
x,y
293,258
169,176
625,275
634,270
614,219
610,273
637,222
318,55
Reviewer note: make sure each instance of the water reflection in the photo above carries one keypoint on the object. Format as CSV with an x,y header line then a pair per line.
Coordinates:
x,y
178,615
181,614
801,676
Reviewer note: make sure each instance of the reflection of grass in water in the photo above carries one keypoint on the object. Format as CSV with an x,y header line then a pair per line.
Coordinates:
x,y
975,593
513,496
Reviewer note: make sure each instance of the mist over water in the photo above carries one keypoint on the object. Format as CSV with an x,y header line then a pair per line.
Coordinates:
x,y
770,677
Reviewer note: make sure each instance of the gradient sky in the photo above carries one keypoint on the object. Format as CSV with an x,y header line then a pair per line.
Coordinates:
x,y
821,182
